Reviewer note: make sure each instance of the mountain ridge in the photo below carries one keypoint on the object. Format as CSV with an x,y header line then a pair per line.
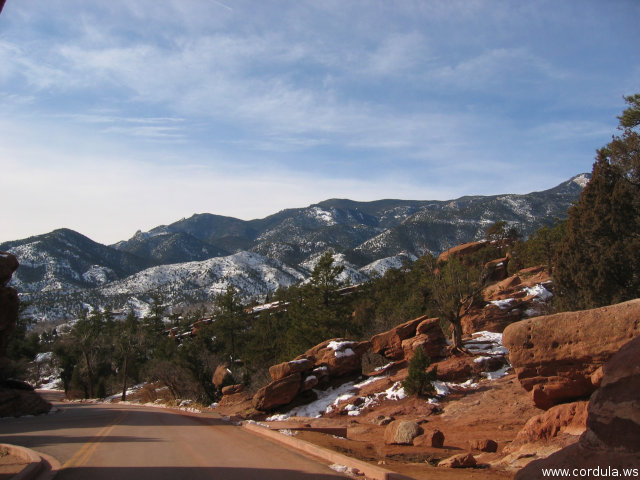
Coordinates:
x,y
365,236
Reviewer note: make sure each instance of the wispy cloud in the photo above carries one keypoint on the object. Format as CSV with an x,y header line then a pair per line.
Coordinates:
x,y
299,101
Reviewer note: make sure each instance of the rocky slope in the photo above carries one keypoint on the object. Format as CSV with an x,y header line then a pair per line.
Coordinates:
x,y
483,416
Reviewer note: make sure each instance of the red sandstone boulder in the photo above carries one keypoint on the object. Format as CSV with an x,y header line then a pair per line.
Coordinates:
x,y
489,446
389,343
614,410
278,393
612,439
461,251
432,438
232,389
463,460
556,356
429,337
340,357
564,419
496,270
285,369
460,368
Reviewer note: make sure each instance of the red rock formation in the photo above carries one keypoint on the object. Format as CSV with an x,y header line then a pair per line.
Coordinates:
x,y
389,343
496,270
232,389
512,299
484,445
429,337
463,460
612,439
278,393
285,369
461,251
556,356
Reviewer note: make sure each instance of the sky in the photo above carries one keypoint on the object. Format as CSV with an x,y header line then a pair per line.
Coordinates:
x,y
128,114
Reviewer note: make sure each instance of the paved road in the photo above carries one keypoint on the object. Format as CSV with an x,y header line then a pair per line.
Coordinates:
x,y
125,442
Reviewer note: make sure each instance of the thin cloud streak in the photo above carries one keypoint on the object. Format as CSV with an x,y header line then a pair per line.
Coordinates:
x,y
427,100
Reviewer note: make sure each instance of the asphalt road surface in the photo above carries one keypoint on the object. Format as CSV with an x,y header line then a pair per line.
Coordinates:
x,y
103,441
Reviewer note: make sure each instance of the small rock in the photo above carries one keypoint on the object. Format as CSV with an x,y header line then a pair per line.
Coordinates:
x,y
435,438
382,420
463,460
484,445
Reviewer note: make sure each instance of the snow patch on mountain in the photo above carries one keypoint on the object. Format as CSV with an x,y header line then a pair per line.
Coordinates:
x,y
381,266
250,273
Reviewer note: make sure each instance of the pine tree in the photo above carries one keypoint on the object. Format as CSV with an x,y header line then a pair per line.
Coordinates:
x,y
599,261
418,381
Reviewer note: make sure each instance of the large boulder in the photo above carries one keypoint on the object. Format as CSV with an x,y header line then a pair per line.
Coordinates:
x,y
389,343
285,369
429,337
341,357
401,432
278,393
614,410
557,357
611,442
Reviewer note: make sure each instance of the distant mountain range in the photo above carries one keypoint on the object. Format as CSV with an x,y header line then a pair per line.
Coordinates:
x,y
195,258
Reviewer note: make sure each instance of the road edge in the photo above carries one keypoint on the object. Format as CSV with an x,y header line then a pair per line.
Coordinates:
x,y
34,465
370,471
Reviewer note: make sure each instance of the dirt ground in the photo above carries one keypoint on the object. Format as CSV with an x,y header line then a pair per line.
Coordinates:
x,y
496,410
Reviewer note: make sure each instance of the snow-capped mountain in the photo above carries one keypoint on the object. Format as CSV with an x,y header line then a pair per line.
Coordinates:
x,y
193,259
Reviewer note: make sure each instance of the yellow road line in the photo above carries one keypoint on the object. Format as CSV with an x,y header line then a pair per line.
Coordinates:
x,y
83,455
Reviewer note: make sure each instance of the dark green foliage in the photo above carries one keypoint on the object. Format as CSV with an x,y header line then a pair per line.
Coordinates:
x,y
539,249
418,381
598,262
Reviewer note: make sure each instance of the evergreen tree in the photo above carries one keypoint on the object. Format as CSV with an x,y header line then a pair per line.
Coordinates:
x,y
599,261
418,381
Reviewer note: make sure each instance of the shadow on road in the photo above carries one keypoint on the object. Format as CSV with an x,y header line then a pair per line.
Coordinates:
x,y
35,441
93,416
190,473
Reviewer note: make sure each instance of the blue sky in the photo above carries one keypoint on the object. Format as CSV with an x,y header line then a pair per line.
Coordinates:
x,y
124,115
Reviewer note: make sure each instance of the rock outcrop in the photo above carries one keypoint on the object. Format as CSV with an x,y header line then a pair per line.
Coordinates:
x,y
316,367
510,300
558,357
400,342
463,460
461,251
612,439
8,305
